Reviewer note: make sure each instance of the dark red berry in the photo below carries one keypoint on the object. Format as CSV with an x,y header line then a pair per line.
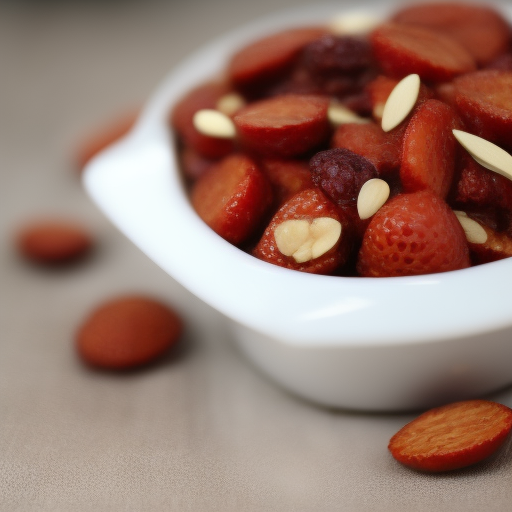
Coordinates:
x,y
340,173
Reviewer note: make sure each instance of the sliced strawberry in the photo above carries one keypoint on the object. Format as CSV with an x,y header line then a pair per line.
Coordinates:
x,y
203,96
452,436
232,198
429,149
307,205
268,59
284,126
480,29
480,188
484,103
413,234
288,177
382,149
404,49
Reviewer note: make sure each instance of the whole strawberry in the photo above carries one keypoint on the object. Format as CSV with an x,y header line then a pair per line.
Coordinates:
x,y
413,234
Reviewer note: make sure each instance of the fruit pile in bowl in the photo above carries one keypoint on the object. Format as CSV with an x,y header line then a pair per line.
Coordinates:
x,y
279,170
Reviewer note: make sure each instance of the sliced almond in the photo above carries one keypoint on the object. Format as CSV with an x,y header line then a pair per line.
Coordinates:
x,y
230,103
475,233
373,194
486,153
214,124
305,241
400,102
338,114
353,23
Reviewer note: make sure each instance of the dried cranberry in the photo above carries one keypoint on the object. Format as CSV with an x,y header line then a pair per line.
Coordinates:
x,y
340,173
331,55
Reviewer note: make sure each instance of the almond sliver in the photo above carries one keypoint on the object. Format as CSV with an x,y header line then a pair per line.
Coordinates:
x,y
475,233
400,102
213,123
373,194
486,153
339,114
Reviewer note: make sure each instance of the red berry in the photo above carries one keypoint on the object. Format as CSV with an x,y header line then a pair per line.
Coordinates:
x,y
283,126
405,49
452,436
480,29
413,234
233,197
341,173
307,205
127,332
429,149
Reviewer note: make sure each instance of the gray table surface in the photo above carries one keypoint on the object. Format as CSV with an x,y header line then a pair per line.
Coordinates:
x,y
202,430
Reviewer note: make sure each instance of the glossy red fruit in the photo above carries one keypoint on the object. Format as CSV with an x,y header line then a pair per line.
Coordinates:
x,y
233,198
383,150
413,234
128,332
283,126
484,103
268,59
404,49
53,241
307,205
287,177
452,436
430,149
341,173
204,96
480,29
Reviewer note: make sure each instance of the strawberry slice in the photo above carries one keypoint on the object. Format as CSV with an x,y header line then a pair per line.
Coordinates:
x,y
404,49
480,29
268,59
202,97
284,126
288,177
232,198
382,149
307,205
484,103
452,436
429,149
413,234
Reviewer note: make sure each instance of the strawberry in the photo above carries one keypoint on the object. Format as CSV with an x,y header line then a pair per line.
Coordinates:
x,y
480,29
266,60
233,197
283,126
404,49
429,149
128,332
452,436
307,205
383,150
484,103
288,177
413,234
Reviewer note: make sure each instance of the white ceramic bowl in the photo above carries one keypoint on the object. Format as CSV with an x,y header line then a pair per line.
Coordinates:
x,y
360,343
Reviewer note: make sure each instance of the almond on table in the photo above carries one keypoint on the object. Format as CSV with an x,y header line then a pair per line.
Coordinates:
x,y
452,436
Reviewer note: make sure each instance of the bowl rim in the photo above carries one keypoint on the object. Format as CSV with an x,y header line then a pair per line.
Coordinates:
x,y
137,184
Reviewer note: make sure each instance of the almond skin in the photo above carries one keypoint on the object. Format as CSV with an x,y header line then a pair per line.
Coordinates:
x,y
127,332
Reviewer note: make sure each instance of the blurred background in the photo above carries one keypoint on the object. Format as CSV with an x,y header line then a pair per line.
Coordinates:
x,y
202,429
